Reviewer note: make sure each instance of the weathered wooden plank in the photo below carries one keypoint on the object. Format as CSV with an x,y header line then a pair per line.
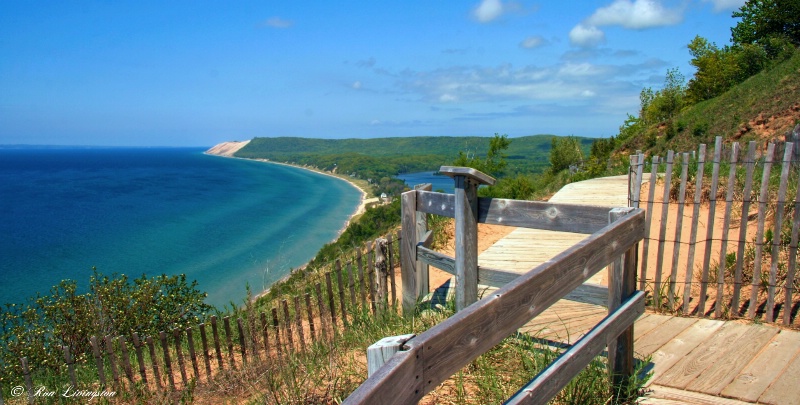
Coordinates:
x,y
137,346
621,287
650,342
217,348
112,360
310,315
276,331
321,309
587,293
153,361
662,234
470,332
750,163
660,395
176,334
340,290
162,336
99,360
287,326
331,307
765,368
125,357
698,361
556,376
226,323
648,223
242,344
712,214
408,256
473,175
298,320
785,390
681,345
542,215
192,353
69,361
776,240
715,378
676,247
788,289
204,342
687,286
466,241
762,212
391,271
421,228
723,250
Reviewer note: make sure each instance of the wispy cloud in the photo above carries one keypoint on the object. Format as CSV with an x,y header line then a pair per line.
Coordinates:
x,y
277,22
586,36
488,10
533,42
725,5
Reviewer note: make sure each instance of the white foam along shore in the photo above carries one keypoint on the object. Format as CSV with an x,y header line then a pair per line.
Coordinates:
x,y
228,149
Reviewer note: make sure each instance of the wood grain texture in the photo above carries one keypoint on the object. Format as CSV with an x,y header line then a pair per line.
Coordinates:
x,y
765,368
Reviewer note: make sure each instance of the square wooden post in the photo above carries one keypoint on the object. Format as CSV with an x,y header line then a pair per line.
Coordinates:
x,y
621,286
408,251
467,181
423,278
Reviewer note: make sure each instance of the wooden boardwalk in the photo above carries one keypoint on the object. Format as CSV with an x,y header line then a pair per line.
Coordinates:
x,y
700,361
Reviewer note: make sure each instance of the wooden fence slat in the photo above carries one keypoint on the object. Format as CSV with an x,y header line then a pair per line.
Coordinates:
x,y
217,348
750,163
265,334
204,342
26,372
361,287
310,314
340,289
792,265
176,335
226,323
242,340
662,235
137,347
648,222
276,329
126,364
153,361
298,319
192,353
371,273
287,326
70,365
321,308
676,247
408,259
351,285
331,307
391,270
112,360
723,250
98,361
712,213
162,336
698,192
381,274
776,238
762,212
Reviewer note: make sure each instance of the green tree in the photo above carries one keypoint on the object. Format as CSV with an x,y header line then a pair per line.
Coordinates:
x,y
564,152
763,21
493,163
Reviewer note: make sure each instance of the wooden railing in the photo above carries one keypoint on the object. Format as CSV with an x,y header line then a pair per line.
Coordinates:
x,y
721,271
430,358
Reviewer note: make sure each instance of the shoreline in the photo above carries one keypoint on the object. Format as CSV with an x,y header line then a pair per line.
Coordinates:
x,y
227,149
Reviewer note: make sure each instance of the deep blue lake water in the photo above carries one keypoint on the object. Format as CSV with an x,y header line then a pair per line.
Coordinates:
x,y
438,182
223,222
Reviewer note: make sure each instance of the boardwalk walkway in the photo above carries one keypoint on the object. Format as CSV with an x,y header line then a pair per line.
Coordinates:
x,y
699,361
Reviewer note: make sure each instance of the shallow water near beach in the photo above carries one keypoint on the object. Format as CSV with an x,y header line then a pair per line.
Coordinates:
x,y
224,222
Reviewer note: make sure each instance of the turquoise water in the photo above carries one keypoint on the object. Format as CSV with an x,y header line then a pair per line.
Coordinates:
x,y
223,222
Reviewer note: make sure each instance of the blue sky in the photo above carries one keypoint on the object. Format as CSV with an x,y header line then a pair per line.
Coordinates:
x,y
195,73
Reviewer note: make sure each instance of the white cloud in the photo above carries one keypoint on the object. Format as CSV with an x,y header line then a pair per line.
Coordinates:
x,y
277,22
724,5
588,93
586,36
533,42
488,10
636,14
356,85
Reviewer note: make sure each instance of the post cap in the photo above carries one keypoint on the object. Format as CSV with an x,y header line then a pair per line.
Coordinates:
x,y
472,174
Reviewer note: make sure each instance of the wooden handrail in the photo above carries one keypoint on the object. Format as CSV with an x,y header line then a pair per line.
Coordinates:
x,y
436,354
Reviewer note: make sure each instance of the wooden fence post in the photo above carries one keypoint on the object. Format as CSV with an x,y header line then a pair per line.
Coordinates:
x,y
112,360
242,340
226,323
70,365
137,346
421,226
215,335
99,361
162,336
151,348
408,251
126,363
28,383
192,353
381,351
381,274
467,181
621,286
